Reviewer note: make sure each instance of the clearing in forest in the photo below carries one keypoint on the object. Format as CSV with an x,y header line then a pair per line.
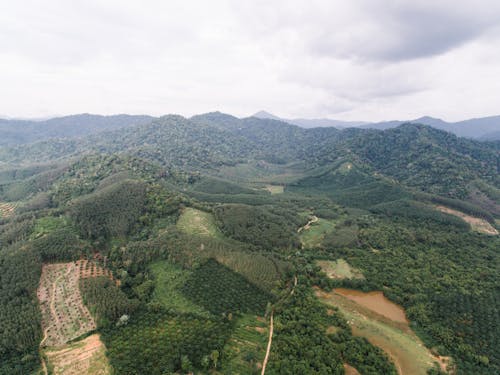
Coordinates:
x,y
246,347
64,316
87,356
88,269
349,370
339,269
477,224
313,233
406,350
196,222
7,209
275,189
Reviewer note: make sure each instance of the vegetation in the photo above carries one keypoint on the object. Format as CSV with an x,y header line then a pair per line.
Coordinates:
x,y
222,292
201,258
105,300
169,280
158,342
266,227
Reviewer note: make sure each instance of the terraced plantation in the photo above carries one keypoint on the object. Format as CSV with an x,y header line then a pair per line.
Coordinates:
x,y
64,316
7,209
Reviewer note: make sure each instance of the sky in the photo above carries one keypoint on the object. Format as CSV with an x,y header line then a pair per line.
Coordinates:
x,y
349,60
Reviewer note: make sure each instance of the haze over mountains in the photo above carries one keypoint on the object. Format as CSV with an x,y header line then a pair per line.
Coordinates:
x,y
485,128
17,131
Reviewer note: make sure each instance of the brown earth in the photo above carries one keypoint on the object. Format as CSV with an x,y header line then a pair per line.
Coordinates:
x,y
7,209
477,224
396,338
84,357
349,370
64,316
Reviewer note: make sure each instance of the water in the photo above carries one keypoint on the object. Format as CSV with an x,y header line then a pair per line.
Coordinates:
x,y
376,302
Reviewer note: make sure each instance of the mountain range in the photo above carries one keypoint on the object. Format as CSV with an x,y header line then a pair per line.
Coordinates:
x,y
485,128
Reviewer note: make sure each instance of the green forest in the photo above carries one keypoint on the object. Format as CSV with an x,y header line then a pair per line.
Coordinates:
x,y
200,257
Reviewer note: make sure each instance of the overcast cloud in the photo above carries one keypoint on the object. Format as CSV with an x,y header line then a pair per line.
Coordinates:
x,y
353,60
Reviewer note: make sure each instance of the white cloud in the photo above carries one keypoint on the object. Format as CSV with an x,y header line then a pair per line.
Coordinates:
x,y
352,60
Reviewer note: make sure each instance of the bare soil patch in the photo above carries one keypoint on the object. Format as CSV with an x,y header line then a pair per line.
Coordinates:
x,y
313,219
64,316
84,357
349,370
7,209
477,224
89,269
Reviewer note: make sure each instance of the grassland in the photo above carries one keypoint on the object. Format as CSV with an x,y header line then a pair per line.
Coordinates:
x,y
85,357
246,348
406,350
47,224
313,234
169,279
199,223
275,189
339,269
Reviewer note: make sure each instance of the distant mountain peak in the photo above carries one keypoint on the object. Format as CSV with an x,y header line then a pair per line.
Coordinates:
x,y
266,115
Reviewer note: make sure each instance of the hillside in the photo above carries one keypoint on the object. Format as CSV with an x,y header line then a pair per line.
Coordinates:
x,y
177,242
16,132
485,128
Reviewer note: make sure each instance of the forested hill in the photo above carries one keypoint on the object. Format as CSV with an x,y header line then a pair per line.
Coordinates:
x,y
415,155
213,226
23,131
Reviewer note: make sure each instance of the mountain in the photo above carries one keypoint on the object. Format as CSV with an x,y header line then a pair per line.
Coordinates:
x,y
179,243
26,131
311,123
486,128
417,156
474,128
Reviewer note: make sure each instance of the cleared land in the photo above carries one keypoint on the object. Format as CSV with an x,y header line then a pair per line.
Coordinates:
x,y
64,316
7,209
88,269
196,222
87,356
477,224
349,370
397,339
275,189
339,269
247,346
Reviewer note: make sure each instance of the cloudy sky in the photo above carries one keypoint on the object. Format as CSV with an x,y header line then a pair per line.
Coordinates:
x,y
351,60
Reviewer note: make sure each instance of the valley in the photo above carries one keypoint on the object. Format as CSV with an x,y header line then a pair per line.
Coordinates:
x,y
171,246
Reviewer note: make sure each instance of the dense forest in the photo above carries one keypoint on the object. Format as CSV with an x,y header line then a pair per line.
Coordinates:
x,y
209,226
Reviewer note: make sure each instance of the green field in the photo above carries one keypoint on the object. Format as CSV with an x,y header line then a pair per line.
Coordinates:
x,y
314,236
246,348
169,278
199,223
48,224
339,269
